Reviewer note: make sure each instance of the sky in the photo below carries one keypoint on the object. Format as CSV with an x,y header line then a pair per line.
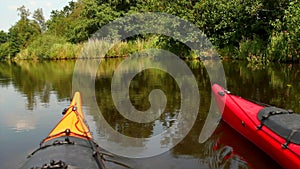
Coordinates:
x,y
9,15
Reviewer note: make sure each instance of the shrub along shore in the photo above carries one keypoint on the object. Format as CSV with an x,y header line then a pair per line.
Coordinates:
x,y
253,30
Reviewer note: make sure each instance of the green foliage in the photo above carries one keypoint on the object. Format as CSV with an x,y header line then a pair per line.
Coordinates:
x,y
90,18
284,43
252,49
292,17
49,47
22,33
229,51
62,20
278,47
23,12
64,51
129,47
173,46
40,19
227,22
4,50
3,37
39,48
4,45
79,20
248,29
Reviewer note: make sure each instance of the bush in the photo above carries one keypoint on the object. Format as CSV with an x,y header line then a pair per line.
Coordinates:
x,y
128,47
229,51
252,49
64,51
284,41
278,47
4,50
49,47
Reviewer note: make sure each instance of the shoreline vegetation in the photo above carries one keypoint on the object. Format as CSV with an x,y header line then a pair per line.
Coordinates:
x,y
259,31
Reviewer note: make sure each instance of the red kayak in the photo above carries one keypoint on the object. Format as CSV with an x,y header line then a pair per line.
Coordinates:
x,y
274,130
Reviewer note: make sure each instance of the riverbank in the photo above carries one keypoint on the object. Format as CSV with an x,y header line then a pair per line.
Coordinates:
x,y
50,47
256,31
54,48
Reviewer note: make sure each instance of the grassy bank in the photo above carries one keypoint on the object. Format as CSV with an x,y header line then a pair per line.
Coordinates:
x,y
49,47
255,50
279,48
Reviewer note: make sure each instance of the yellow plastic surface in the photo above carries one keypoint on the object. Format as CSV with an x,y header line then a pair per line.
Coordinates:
x,y
73,120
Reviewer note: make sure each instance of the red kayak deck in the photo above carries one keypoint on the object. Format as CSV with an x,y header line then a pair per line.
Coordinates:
x,y
242,115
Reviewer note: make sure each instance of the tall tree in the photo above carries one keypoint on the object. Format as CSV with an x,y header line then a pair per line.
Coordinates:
x,y
39,18
22,32
3,37
62,21
23,13
4,46
92,15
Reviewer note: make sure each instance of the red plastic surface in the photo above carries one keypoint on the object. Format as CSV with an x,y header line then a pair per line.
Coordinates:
x,y
241,115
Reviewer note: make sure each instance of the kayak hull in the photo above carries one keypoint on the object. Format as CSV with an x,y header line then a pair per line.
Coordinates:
x,y
241,149
242,115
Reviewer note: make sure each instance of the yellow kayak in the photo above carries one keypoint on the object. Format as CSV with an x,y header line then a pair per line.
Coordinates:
x,y
69,145
72,123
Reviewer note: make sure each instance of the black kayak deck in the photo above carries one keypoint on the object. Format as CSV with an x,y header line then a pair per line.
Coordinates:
x,y
65,151
283,122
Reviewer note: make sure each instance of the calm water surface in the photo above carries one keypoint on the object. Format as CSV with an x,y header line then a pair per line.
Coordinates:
x,y
33,95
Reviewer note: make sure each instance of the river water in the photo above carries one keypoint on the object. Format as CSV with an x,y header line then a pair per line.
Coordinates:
x,y
33,95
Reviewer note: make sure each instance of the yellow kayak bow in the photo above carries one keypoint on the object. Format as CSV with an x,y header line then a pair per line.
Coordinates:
x,y
72,123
